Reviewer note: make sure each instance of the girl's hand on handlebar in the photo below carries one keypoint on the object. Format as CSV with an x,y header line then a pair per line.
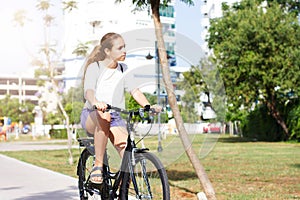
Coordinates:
x,y
101,106
157,108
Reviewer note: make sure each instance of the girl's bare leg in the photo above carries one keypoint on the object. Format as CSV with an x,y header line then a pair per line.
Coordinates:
x,y
118,138
98,123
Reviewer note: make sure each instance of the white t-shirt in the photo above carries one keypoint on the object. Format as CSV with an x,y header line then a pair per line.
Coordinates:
x,y
109,84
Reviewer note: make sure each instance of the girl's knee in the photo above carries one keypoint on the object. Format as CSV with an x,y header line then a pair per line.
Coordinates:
x,y
120,145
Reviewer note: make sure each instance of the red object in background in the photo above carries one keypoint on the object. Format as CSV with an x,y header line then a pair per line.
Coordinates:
x,y
212,128
3,135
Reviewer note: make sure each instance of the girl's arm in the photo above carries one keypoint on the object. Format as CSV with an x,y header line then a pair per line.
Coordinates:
x,y
90,96
140,97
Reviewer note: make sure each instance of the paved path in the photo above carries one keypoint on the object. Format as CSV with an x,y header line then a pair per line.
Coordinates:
x,y
35,145
23,181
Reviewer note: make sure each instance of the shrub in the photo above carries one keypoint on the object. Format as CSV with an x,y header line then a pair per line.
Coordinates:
x,y
294,123
59,133
259,124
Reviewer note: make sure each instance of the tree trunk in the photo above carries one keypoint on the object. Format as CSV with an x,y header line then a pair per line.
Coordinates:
x,y
69,133
277,116
206,184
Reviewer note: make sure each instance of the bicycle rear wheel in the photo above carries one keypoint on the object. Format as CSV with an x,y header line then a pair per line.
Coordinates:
x,y
150,177
87,190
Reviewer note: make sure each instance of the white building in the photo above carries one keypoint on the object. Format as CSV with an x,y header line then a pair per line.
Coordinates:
x,y
210,10
20,86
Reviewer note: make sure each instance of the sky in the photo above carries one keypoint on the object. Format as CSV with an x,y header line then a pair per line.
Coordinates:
x,y
17,46
188,20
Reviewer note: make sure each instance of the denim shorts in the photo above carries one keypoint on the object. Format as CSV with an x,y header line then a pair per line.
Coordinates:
x,y
116,119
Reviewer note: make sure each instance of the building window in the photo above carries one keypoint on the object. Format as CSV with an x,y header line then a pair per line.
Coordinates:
x,y
167,11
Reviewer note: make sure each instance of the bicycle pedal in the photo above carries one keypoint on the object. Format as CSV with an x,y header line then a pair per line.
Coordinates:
x,y
99,189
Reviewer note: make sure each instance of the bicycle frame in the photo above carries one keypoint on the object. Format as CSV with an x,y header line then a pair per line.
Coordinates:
x,y
128,158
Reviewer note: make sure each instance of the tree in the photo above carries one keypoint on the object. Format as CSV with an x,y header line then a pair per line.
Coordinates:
x,y
47,58
10,107
192,85
207,186
257,51
204,79
155,6
290,5
69,5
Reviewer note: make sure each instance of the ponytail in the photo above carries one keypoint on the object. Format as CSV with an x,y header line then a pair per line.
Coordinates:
x,y
93,57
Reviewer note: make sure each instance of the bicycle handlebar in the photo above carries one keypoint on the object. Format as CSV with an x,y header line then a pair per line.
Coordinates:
x,y
140,111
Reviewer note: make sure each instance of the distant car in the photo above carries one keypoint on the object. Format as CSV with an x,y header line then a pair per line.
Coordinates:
x,y
212,128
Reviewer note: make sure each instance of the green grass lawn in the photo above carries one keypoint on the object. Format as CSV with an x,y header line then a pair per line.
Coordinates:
x,y
237,168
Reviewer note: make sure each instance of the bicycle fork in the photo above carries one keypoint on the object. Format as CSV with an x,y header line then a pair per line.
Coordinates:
x,y
144,174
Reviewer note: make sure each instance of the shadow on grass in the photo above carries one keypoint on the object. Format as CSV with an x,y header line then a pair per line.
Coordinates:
x,y
235,139
174,175
182,188
296,165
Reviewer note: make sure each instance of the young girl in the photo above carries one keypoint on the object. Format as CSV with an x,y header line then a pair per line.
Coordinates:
x,y
104,84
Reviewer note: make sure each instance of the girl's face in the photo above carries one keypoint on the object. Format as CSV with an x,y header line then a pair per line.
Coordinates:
x,y
118,51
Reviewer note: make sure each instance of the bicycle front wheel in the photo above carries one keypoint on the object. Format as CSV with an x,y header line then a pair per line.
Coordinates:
x,y
147,179
87,191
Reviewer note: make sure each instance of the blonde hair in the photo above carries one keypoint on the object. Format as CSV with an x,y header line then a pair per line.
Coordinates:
x,y
98,53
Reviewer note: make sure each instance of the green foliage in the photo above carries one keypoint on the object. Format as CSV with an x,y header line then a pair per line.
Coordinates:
x,y
143,4
73,110
25,113
202,79
10,107
289,5
53,118
75,94
193,81
193,84
82,48
131,104
41,72
240,115
261,126
73,104
257,52
58,134
294,122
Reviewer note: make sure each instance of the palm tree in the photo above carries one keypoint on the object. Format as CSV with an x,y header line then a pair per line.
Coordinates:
x,y
69,5
47,51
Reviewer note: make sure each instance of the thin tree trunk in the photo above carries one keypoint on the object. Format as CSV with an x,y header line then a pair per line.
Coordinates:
x,y
277,116
69,134
205,182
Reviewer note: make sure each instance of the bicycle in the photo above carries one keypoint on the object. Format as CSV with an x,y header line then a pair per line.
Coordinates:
x,y
140,176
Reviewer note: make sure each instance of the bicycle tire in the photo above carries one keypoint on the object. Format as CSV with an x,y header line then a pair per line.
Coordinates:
x,y
156,176
87,190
